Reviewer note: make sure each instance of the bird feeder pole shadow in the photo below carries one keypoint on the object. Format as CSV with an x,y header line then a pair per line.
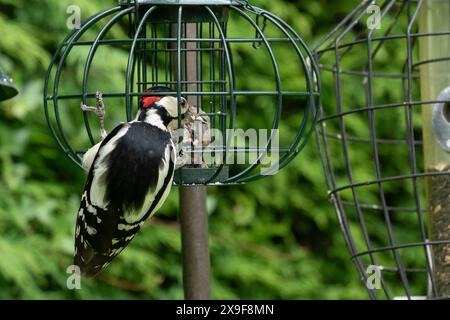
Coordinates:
x,y
193,210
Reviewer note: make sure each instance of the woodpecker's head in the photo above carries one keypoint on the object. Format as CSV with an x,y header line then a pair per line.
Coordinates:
x,y
164,106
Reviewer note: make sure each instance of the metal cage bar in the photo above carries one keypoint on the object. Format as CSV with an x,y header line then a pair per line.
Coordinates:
x,y
73,36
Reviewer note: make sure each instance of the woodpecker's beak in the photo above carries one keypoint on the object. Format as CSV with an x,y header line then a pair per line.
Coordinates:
x,y
184,105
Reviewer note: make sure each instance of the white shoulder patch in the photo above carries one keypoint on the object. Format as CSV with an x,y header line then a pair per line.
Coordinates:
x,y
89,157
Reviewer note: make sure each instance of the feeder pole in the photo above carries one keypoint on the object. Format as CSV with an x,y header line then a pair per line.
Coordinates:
x,y
435,85
193,211
194,243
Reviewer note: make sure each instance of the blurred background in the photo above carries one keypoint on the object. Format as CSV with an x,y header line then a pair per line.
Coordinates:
x,y
276,238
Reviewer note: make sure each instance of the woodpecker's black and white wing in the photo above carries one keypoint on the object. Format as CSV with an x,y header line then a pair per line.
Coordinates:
x,y
129,179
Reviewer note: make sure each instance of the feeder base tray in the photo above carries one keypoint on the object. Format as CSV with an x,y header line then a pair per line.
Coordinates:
x,y
198,176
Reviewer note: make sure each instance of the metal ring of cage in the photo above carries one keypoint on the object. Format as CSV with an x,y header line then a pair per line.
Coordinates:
x,y
157,36
372,208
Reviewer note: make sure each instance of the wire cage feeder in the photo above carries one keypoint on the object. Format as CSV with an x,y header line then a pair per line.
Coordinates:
x,y
192,47
384,143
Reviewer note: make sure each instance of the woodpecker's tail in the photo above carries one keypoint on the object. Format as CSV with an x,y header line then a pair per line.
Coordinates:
x,y
93,254
91,262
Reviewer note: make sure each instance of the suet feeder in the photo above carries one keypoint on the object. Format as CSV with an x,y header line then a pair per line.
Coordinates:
x,y
193,47
7,89
389,63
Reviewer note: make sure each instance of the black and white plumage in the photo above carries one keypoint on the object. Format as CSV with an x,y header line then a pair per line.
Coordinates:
x,y
130,176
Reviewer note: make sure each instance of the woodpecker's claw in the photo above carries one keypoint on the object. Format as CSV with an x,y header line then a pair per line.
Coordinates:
x,y
99,111
198,117
201,119
181,161
88,108
100,105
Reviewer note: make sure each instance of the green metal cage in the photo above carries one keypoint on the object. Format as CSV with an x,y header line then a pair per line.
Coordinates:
x,y
195,48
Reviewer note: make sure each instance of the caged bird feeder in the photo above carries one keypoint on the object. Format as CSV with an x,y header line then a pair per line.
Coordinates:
x,y
198,49
385,143
192,47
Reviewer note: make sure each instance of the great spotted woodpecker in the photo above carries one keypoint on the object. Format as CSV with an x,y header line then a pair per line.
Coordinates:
x,y
130,175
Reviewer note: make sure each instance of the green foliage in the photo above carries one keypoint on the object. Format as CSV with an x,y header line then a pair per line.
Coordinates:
x,y
275,238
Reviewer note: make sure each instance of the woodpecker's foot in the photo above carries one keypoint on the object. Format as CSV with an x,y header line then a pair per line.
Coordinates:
x,y
99,111
103,134
181,160
88,108
200,118
100,105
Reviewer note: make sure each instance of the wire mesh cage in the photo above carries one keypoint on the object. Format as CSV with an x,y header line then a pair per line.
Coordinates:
x,y
384,143
193,48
